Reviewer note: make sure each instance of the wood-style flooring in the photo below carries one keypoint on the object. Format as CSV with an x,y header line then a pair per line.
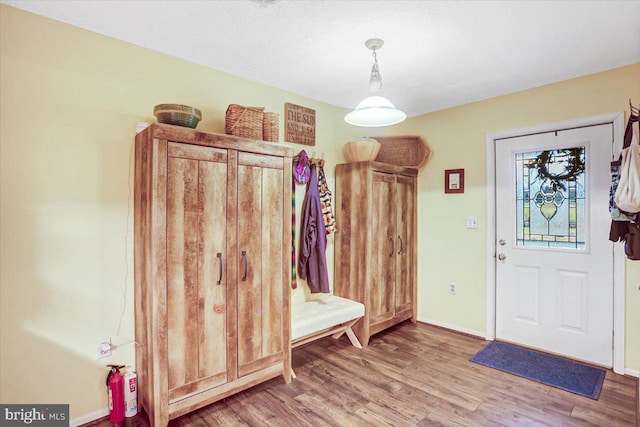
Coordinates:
x,y
409,375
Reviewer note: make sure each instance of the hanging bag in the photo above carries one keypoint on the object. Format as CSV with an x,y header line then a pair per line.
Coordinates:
x,y
616,214
627,195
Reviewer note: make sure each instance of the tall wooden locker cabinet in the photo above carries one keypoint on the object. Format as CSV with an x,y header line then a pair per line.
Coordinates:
x,y
375,250
212,267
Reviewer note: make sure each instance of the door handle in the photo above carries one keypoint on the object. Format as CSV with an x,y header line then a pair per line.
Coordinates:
x,y
401,245
393,249
502,256
502,242
246,265
219,255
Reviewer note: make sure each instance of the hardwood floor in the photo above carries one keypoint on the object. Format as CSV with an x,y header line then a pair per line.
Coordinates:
x,y
410,375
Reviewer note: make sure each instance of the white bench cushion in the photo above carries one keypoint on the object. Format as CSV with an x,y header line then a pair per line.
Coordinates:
x,y
312,317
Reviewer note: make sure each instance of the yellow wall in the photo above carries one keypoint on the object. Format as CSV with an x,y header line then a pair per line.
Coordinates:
x,y
447,250
69,103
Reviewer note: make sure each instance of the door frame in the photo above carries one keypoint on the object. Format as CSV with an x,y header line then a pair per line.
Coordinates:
x,y
617,120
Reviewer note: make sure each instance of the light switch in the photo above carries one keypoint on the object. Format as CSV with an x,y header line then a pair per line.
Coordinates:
x,y
472,222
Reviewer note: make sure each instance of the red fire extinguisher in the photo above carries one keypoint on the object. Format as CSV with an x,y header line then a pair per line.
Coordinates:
x,y
115,387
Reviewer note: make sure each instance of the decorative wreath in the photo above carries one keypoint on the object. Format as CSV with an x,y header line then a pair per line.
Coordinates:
x,y
575,166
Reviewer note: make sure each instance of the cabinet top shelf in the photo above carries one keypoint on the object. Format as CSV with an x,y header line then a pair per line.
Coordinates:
x,y
212,139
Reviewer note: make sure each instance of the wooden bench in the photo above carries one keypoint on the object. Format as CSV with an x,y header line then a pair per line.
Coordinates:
x,y
333,316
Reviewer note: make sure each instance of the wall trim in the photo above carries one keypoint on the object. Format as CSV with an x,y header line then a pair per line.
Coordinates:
x,y
632,373
85,419
619,279
454,328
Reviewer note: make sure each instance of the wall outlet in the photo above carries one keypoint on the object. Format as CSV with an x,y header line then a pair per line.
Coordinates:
x,y
472,222
452,288
104,348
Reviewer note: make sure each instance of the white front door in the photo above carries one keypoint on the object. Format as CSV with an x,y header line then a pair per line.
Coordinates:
x,y
554,262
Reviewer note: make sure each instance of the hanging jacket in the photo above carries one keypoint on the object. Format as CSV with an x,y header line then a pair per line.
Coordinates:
x,y
329,218
312,259
620,220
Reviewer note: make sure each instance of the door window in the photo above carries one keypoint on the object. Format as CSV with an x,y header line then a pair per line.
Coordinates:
x,y
550,198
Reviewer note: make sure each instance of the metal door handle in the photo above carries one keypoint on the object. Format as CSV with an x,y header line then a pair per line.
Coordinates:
x,y
392,247
401,248
502,257
219,255
246,266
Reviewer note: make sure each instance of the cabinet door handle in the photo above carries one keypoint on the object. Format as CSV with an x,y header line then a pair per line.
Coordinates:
x,y
401,248
246,265
219,255
393,249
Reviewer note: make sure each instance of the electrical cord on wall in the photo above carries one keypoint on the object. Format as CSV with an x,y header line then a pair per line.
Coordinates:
x,y
126,241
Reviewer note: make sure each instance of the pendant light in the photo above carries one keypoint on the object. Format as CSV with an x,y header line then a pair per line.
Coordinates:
x,y
376,110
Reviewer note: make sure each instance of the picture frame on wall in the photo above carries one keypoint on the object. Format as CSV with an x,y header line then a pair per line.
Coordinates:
x,y
454,181
299,124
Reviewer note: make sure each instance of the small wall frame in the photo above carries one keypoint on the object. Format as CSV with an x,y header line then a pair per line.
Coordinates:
x,y
454,181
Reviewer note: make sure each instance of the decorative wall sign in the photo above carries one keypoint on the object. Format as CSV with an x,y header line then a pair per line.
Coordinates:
x,y
454,181
299,124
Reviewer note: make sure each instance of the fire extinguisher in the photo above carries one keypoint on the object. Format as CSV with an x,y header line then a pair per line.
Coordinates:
x,y
130,393
115,387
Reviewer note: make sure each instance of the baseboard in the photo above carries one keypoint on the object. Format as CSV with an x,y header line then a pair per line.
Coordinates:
x,y
632,372
85,419
452,327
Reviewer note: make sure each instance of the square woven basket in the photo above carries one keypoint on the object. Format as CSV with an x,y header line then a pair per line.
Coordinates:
x,y
246,122
270,127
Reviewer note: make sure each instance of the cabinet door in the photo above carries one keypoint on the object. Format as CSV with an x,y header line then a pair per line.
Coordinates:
x,y
261,256
384,247
405,200
196,283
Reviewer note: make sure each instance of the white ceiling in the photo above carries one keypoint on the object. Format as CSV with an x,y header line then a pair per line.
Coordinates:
x,y
437,54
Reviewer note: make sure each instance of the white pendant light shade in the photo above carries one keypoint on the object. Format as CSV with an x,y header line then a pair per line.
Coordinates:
x,y
375,111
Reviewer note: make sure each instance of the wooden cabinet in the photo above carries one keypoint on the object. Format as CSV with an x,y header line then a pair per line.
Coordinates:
x,y
375,249
212,267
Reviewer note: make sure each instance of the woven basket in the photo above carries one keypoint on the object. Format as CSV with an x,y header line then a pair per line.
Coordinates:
x,y
270,127
410,151
244,121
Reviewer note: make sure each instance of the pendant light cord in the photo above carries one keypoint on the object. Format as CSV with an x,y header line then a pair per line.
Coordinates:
x,y
375,81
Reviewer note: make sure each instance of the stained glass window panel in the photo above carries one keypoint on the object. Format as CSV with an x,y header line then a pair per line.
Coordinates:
x,y
550,198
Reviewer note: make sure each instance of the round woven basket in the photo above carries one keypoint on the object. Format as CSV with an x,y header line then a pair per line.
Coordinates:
x,y
177,114
362,150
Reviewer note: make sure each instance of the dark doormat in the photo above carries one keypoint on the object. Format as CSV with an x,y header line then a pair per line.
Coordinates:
x,y
544,368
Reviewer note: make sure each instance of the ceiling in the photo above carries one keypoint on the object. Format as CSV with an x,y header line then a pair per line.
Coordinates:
x,y
437,54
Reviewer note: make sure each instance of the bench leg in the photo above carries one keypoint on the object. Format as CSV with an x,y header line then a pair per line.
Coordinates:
x,y
344,328
353,338
293,374
350,333
338,334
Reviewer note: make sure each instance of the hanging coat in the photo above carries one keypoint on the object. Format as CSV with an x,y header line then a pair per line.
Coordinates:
x,y
312,259
620,220
329,218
